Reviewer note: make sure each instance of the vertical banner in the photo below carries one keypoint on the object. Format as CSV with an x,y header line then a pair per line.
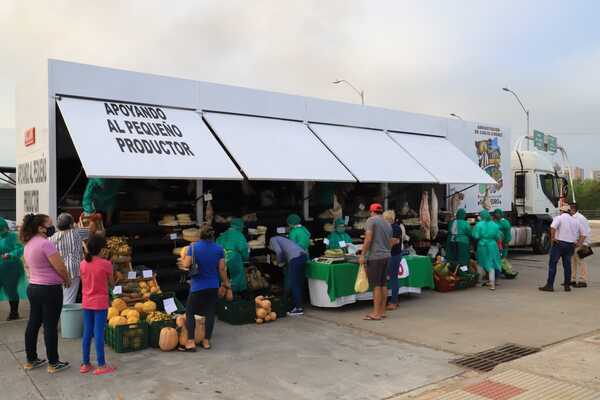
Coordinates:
x,y
488,145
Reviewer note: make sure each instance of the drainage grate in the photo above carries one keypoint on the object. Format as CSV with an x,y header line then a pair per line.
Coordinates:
x,y
488,359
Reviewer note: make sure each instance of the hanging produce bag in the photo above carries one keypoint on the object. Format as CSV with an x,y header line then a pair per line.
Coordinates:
x,y
362,283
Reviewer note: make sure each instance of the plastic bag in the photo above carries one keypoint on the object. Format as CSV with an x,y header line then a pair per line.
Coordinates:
x,y
362,283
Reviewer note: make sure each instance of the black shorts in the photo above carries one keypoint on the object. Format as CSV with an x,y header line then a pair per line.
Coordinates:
x,y
377,272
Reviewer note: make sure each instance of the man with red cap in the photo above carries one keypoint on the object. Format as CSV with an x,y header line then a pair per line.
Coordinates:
x,y
376,252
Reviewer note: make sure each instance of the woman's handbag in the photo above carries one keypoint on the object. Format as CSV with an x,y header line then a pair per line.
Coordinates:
x,y
362,283
194,269
584,251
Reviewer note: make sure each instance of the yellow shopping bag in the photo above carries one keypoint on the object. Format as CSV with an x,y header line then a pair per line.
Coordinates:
x,y
362,283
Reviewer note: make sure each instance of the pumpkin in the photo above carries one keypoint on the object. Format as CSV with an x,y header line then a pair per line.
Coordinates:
x,y
139,307
119,305
114,321
273,316
133,314
261,313
125,312
258,300
149,306
267,317
199,331
266,304
112,312
132,319
168,339
259,321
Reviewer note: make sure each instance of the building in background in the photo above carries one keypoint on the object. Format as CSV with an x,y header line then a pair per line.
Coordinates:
x,y
578,174
596,175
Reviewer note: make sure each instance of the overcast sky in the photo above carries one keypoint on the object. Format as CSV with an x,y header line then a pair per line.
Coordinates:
x,y
433,57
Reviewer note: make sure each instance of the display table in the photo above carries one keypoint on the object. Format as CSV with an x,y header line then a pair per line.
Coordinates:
x,y
332,285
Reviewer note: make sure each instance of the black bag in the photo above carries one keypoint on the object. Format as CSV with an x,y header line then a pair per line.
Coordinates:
x,y
584,251
194,270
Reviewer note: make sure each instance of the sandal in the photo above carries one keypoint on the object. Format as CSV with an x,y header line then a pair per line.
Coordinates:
x,y
205,345
371,318
186,349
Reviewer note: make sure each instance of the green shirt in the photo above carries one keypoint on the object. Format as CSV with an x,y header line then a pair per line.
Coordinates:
x,y
301,236
335,238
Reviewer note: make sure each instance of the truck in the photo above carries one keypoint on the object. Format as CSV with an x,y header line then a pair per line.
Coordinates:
x,y
530,189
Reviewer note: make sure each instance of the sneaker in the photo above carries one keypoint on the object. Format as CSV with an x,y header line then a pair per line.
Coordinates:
x,y
107,369
58,367
29,365
567,288
582,285
546,289
12,317
85,368
296,312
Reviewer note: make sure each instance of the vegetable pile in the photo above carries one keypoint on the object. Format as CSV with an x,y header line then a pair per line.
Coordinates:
x,y
263,310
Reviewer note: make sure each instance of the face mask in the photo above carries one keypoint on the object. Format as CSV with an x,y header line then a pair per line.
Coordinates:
x,y
50,230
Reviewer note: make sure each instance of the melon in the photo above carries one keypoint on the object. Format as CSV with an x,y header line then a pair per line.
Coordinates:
x,y
112,312
139,307
149,306
125,312
114,321
119,305
261,313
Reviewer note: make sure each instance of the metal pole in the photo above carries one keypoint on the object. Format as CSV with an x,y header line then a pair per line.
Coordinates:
x,y
527,112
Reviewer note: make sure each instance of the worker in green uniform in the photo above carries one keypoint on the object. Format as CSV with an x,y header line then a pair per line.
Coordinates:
x,y
487,233
100,197
505,230
339,238
458,246
236,252
11,267
298,233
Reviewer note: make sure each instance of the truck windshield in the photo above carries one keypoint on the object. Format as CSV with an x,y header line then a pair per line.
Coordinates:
x,y
550,188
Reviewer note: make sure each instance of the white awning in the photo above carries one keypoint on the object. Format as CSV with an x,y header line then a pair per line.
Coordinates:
x,y
442,159
121,140
371,155
275,149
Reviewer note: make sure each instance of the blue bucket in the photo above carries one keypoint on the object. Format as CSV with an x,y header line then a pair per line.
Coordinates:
x,y
71,321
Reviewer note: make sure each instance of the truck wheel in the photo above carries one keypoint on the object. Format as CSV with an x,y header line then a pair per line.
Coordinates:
x,y
542,245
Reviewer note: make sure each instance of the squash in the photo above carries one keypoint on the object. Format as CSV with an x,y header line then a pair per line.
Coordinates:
x,y
261,313
267,317
132,319
183,332
114,321
273,316
266,304
119,305
139,307
149,306
168,339
133,314
125,312
258,300
112,312
259,321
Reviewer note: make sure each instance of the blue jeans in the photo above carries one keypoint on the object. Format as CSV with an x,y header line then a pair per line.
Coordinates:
x,y
94,322
393,267
560,250
297,275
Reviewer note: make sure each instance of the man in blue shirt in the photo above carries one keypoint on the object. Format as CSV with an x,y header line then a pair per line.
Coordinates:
x,y
295,256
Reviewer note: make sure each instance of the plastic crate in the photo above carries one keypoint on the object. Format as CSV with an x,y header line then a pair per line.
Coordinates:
x,y
126,338
236,312
467,280
154,331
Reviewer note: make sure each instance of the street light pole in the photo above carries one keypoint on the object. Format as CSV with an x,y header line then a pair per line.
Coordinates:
x,y
524,109
456,116
360,92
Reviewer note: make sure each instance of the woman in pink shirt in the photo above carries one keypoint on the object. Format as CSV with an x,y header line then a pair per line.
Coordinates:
x,y
96,276
47,275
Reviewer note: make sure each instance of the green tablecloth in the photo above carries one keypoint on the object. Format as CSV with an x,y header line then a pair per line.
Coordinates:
x,y
340,278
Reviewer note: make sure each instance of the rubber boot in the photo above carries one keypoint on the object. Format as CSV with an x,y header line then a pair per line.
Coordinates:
x,y
14,310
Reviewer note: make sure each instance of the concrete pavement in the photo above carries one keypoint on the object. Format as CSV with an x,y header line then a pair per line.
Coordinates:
x,y
335,354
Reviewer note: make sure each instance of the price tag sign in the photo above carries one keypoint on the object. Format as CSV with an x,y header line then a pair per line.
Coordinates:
x,y
169,305
464,268
173,236
346,219
342,244
208,196
147,273
281,230
131,275
118,290
326,242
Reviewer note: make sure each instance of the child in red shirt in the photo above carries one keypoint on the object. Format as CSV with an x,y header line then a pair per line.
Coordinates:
x,y
96,276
